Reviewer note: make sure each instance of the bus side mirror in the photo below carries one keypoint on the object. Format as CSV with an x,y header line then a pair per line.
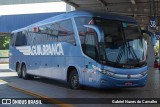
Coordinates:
x,y
153,37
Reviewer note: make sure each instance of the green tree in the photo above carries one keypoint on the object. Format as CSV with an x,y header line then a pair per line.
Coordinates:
x,y
4,42
156,48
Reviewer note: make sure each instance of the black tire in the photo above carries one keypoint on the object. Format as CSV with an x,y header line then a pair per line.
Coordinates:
x,y
18,70
74,80
24,72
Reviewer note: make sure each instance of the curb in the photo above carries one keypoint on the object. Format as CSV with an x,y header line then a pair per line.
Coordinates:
x,y
52,101
4,62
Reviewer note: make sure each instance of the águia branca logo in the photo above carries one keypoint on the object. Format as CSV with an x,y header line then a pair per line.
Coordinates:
x,y
46,49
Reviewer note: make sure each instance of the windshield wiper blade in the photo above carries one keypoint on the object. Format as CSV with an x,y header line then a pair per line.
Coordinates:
x,y
121,51
133,53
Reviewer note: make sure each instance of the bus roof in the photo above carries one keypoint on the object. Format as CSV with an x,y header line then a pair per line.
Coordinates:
x,y
68,15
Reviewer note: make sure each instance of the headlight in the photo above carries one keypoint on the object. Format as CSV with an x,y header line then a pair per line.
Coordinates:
x,y
103,71
144,73
96,68
107,73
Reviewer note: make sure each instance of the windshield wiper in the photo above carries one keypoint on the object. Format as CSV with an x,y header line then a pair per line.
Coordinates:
x,y
133,53
121,51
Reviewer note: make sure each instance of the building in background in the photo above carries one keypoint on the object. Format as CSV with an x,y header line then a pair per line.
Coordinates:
x,y
17,16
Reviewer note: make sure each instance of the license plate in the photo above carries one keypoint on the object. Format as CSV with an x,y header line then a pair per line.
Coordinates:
x,y
128,83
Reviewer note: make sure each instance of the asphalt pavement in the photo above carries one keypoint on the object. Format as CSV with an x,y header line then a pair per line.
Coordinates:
x,y
6,92
58,90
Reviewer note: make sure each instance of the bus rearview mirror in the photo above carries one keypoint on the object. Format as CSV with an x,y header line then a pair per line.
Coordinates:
x,y
153,37
98,31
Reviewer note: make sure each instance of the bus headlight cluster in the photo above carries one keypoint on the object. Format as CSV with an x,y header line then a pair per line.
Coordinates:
x,y
96,68
107,73
103,71
122,76
144,73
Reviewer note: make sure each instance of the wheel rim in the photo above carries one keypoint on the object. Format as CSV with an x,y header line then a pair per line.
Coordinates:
x,y
75,81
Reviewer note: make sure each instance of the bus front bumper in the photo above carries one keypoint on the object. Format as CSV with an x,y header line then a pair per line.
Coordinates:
x,y
110,82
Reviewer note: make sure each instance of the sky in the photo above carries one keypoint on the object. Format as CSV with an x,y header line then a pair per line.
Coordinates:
x,y
32,8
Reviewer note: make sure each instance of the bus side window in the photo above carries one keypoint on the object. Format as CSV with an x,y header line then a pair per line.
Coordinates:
x,y
65,31
91,43
20,39
12,39
88,37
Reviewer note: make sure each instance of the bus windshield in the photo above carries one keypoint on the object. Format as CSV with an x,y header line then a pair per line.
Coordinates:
x,y
122,45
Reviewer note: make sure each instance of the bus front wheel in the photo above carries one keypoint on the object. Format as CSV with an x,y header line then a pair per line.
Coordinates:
x,y
74,80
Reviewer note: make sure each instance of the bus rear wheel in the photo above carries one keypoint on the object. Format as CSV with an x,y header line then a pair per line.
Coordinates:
x,y
24,72
74,80
18,70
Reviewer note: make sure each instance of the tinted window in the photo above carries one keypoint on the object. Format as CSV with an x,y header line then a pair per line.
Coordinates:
x,y
39,38
65,31
90,42
80,22
12,39
56,32
20,39
88,36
